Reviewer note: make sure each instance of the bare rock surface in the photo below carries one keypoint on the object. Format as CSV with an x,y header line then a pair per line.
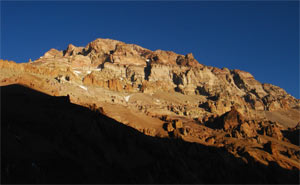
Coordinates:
x,y
162,94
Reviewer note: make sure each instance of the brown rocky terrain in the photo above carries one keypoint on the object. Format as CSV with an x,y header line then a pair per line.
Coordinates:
x,y
176,106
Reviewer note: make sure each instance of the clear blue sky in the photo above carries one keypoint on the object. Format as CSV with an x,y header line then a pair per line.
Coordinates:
x,y
259,37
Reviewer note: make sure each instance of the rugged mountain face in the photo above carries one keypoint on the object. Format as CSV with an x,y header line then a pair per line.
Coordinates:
x,y
129,68
150,71
167,95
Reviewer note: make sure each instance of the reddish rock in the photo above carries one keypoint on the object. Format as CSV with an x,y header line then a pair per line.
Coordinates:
x,y
188,60
231,119
273,131
178,124
246,130
170,127
53,53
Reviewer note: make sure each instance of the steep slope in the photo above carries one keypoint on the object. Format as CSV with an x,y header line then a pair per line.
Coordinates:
x,y
142,70
167,96
47,139
131,69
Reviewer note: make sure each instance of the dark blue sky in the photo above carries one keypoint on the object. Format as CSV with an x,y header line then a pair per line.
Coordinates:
x,y
259,37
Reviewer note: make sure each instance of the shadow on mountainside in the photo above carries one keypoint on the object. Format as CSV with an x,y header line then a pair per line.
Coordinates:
x,y
46,139
292,135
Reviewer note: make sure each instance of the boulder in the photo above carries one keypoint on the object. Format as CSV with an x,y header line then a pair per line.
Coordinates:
x,y
273,131
246,130
170,127
231,119
178,124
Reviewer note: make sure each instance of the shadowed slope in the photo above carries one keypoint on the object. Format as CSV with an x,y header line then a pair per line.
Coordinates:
x,y
49,140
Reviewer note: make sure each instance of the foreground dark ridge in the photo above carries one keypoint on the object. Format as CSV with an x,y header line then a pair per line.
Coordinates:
x,y
49,140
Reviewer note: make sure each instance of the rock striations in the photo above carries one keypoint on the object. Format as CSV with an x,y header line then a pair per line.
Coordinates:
x,y
128,65
168,95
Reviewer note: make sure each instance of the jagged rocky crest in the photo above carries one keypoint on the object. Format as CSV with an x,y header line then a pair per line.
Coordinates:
x,y
131,68
167,95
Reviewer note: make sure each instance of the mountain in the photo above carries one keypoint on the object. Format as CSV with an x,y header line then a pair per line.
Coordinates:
x,y
170,100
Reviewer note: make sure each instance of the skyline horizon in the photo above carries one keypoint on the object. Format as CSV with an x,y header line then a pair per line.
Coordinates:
x,y
258,37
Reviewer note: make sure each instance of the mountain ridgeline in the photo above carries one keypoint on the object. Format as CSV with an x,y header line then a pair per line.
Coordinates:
x,y
112,112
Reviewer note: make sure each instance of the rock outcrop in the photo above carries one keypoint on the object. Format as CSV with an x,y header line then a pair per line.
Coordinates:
x,y
142,70
163,96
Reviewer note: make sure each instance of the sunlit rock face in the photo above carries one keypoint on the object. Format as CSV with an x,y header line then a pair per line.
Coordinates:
x,y
163,94
121,67
129,68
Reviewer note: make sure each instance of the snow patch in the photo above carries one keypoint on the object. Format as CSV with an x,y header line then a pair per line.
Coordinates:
x,y
77,72
127,98
83,87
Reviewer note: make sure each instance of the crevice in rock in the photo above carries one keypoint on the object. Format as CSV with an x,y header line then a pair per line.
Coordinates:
x,y
147,71
177,80
201,91
238,81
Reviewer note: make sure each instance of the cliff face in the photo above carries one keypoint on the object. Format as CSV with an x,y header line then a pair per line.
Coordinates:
x,y
130,68
167,95
122,70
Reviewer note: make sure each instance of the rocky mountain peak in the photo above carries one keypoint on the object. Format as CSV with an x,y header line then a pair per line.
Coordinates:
x,y
100,51
158,93
132,68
